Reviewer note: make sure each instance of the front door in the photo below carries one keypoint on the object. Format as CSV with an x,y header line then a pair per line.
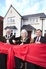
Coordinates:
x,y
29,34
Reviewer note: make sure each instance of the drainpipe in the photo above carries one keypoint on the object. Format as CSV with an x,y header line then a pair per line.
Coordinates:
x,y
42,24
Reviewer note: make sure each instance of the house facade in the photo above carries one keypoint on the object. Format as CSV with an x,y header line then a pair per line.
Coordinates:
x,y
12,19
38,21
16,22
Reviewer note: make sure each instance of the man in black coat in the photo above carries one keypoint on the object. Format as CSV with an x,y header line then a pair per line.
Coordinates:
x,y
3,57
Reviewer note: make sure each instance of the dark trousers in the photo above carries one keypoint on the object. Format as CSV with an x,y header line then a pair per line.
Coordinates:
x,y
33,66
3,61
23,62
38,67
30,66
17,62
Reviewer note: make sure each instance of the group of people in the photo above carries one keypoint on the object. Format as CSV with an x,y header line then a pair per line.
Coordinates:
x,y
23,39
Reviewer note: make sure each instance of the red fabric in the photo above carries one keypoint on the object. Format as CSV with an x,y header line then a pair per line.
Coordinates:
x,y
34,53
7,49
10,61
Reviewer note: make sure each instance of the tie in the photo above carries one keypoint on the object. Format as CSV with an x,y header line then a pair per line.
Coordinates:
x,y
37,39
8,36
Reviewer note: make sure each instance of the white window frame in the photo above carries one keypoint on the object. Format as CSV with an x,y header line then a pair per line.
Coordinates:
x,y
11,20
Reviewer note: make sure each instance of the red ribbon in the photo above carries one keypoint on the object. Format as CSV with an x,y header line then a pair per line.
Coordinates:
x,y
34,53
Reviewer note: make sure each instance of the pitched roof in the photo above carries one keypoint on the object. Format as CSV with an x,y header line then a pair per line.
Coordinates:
x,y
42,15
11,27
28,27
14,9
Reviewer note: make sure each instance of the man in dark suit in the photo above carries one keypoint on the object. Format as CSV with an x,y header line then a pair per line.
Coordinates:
x,y
3,57
39,38
8,36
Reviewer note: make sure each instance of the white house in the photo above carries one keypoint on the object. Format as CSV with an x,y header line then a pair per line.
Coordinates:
x,y
16,22
38,21
12,19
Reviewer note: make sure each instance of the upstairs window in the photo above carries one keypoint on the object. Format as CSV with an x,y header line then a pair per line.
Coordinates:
x,y
34,20
11,20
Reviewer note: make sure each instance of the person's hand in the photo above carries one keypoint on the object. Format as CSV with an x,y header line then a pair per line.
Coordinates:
x,y
7,41
37,42
14,41
21,44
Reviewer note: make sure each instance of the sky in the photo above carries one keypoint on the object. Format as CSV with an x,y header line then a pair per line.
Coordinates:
x,y
24,7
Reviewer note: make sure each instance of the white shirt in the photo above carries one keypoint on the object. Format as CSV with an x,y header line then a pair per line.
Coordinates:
x,y
38,38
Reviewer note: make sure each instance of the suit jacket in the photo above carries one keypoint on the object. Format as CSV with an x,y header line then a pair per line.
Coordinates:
x,y
4,39
42,39
12,38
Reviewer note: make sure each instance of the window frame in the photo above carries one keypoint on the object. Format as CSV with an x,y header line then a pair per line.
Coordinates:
x,y
11,20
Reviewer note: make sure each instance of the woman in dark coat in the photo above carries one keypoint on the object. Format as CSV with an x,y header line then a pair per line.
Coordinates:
x,y
24,39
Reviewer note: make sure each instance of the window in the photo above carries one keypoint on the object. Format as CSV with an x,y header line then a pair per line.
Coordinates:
x,y
11,20
13,32
34,20
45,31
25,20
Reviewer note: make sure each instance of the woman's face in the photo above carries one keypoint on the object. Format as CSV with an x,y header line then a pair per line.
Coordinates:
x,y
23,35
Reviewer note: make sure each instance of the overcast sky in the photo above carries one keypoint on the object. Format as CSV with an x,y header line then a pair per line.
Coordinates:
x,y
24,7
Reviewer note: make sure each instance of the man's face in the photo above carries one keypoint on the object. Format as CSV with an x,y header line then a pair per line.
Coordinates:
x,y
38,33
8,32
